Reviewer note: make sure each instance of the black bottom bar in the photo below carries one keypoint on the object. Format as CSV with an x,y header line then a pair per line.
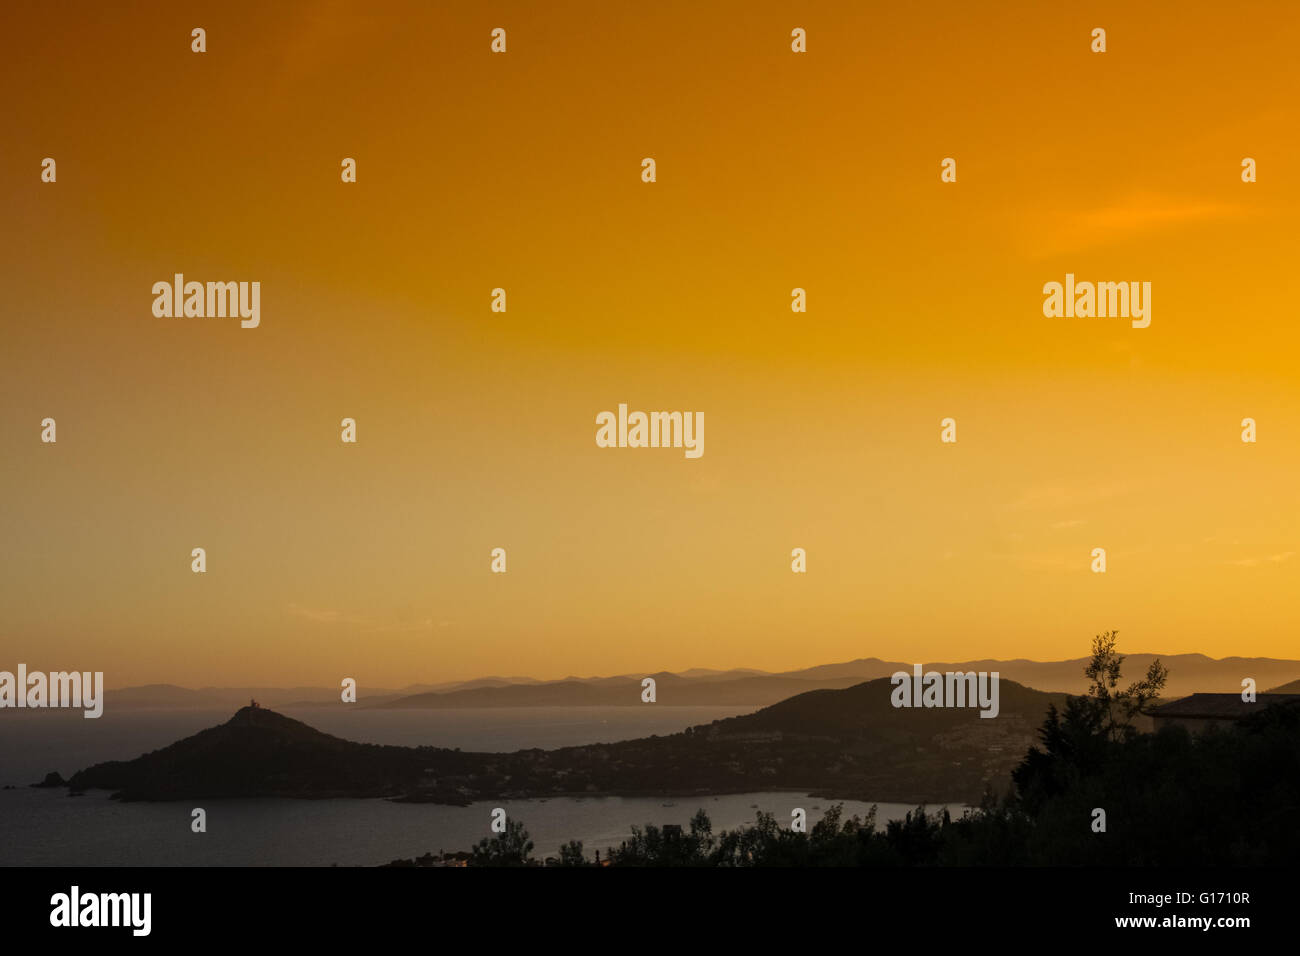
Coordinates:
x,y
283,906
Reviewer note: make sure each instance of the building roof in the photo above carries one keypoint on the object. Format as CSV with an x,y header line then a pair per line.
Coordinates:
x,y
1221,706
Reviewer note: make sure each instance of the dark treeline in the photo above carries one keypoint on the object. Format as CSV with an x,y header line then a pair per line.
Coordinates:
x,y
1228,797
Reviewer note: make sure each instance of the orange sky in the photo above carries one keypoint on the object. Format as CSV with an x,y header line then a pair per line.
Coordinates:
x,y
476,430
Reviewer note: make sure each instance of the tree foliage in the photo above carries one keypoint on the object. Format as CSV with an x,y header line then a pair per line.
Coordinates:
x,y
1225,797
510,848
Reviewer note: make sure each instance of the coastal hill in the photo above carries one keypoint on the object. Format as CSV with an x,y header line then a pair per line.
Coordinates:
x,y
849,743
259,752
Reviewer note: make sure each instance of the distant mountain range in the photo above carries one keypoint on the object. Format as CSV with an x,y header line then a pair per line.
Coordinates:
x,y
741,687
174,697
846,743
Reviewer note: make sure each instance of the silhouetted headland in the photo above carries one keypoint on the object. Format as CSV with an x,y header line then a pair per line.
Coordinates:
x,y
847,744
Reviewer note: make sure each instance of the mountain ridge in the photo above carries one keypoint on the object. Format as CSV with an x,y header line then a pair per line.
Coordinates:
x,y
1190,673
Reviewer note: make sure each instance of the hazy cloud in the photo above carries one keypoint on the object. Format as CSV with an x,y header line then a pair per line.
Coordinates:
x,y
1267,559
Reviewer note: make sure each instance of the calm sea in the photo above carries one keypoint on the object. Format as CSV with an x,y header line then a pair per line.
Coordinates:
x,y
49,828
